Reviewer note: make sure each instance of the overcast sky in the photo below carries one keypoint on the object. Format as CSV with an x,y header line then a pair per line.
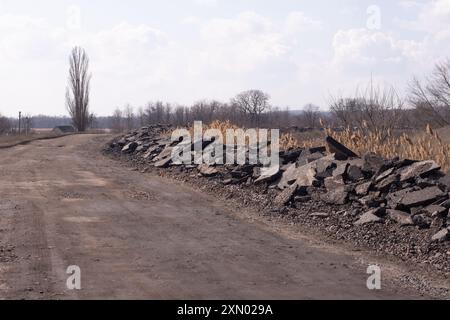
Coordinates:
x,y
181,51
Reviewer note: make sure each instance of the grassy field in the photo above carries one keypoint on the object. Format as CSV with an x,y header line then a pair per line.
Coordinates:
x,y
7,141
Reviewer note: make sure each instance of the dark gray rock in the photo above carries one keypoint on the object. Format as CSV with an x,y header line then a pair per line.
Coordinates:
x,y
436,210
163,163
288,176
385,184
441,236
422,221
422,197
308,158
130,147
325,167
372,200
445,180
337,195
446,204
373,162
269,174
207,171
286,196
322,215
418,169
368,218
363,188
340,151
354,173
401,217
384,175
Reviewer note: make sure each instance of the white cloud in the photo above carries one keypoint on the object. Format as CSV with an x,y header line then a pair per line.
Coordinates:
x,y
299,22
206,2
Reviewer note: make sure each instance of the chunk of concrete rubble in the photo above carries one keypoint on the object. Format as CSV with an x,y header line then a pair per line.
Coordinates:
x,y
334,182
354,173
422,197
395,198
130,147
341,169
325,167
436,210
288,177
372,200
373,162
337,195
418,169
402,218
446,204
167,152
150,152
340,151
290,156
385,184
306,175
286,196
363,188
207,171
445,180
320,215
422,221
384,175
368,218
163,163
441,236
307,157
268,174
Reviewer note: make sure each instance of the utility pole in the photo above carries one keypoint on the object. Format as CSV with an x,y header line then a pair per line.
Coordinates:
x,y
20,119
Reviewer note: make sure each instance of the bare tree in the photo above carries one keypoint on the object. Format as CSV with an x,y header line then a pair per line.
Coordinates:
x,y
77,92
432,101
311,115
141,117
117,121
129,117
253,103
374,108
5,125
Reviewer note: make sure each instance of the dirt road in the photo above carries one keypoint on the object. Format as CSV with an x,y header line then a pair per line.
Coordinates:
x,y
135,235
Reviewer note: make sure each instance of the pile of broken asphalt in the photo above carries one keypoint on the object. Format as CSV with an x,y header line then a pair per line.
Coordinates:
x,y
391,206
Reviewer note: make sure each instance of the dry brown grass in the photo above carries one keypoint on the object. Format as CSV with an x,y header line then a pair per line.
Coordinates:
x,y
427,145
421,146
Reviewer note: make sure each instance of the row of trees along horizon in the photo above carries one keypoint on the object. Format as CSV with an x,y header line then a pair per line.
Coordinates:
x,y
375,106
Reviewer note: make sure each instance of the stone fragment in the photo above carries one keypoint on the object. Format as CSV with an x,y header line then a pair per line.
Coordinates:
x,y
441,236
336,196
207,171
384,175
387,182
422,197
286,196
268,174
373,162
363,188
341,152
319,215
163,163
354,173
401,217
368,218
418,169
130,147
436,210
